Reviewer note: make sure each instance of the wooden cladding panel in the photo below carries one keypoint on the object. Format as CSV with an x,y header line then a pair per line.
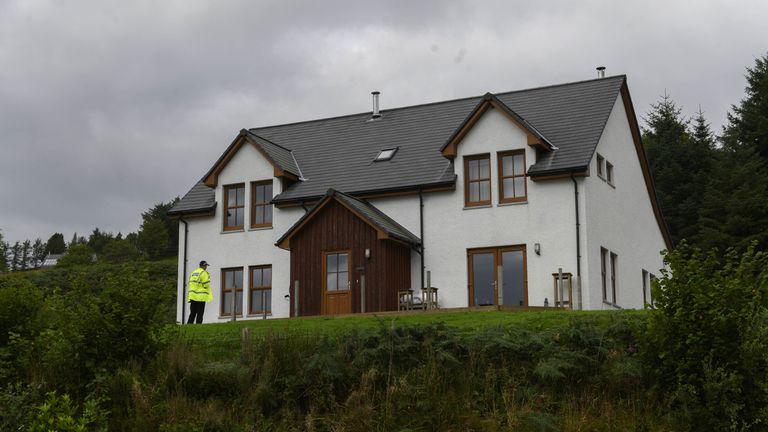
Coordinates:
x,y
337,229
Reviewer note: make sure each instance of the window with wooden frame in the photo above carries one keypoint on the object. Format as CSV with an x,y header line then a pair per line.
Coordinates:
x,y
260,290
614,271
261,209
234,207
512,182
231,291
477,180
603,272
600,164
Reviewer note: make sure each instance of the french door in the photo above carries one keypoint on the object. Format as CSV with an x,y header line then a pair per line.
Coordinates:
x,y
337,295
487,266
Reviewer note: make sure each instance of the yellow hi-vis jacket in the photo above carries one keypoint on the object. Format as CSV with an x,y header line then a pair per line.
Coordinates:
x,y
200,286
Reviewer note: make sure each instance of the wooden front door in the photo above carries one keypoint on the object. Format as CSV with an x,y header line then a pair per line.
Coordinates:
x,y
484,264
337,293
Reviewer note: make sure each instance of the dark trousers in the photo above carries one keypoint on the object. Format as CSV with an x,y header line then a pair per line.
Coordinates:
x,y
196,309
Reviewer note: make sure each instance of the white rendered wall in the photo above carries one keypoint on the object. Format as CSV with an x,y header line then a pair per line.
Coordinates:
x,y
548,218
208,241
619,218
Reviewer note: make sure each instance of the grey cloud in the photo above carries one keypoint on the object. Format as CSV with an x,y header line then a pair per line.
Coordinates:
x,y
108,107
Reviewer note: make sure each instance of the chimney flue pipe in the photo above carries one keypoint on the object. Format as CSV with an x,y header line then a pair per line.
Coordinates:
x,y
376,113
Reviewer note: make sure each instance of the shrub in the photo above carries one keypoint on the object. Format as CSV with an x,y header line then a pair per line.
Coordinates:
x,y
707,339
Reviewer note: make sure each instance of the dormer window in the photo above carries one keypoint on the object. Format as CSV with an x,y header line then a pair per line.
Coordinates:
x,y
385,155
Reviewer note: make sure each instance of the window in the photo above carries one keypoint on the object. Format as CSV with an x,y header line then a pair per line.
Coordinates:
x,y
260,291
609,172
261,209
603,272
234,207
600,163
651,279
231,290
385,155
512,184
477,180
614,270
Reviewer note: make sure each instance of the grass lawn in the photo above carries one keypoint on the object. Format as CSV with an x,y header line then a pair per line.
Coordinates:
x,y
223,339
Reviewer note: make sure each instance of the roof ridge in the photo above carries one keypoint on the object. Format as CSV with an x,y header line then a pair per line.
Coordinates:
x,y
433,103
269,141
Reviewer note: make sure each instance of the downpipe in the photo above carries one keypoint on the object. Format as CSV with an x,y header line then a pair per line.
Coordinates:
x,y
578,236
184,274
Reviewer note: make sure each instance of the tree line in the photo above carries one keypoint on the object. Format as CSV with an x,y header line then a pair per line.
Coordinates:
x,y
713,188
156,238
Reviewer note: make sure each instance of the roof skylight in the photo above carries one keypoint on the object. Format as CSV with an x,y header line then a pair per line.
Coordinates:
x,y
385,155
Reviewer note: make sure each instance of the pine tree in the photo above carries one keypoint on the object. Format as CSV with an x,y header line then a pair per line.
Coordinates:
x,y
748,122
16,256
680,164
38,253
55,244
26,255
98,240
741,183
153,238
4,248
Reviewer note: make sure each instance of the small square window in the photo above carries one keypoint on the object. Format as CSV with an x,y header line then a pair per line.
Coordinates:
x,y
385,155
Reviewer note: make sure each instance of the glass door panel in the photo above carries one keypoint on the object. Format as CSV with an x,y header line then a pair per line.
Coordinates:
x,y
483,280
513,278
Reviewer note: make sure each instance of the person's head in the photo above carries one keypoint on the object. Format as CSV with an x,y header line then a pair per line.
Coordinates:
x,y
204,264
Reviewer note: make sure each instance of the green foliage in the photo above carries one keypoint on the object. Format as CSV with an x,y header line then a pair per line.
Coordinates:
x,y
55,244
98,240
153,238
78,254
160,212
59,414
118,251
707,341
680,164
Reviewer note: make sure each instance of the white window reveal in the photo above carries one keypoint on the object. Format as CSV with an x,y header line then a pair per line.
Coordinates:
x,y
386,155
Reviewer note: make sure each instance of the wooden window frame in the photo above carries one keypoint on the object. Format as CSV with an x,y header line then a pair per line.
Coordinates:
x,y
600,166
467,181
252,288
234,290
255,205
226,190
497,252
500,161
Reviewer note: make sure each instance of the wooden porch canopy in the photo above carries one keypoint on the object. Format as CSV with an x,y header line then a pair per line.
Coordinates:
x,y
386,228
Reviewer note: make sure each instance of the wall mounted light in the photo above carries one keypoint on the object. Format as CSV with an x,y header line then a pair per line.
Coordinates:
x,y
537,248
367,253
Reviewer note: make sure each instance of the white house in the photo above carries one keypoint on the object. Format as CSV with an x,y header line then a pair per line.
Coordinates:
x,y
495,196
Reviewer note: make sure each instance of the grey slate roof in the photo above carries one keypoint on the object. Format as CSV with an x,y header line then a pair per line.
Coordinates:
x,y
282,156
338,152
366,210
199,198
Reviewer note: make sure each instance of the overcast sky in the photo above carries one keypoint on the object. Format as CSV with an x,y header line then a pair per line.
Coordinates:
x,y
109,107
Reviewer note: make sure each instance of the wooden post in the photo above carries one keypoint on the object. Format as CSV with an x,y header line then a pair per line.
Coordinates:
x,y
296,298
362,293
561,294
428,299
500,284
